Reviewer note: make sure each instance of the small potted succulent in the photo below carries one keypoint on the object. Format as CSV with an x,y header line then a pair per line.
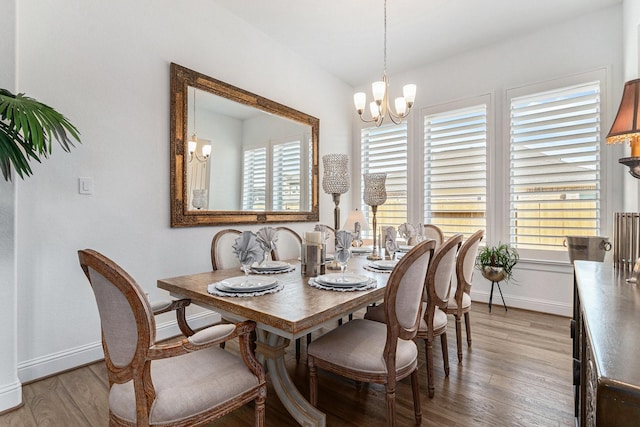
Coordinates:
x,y
496,262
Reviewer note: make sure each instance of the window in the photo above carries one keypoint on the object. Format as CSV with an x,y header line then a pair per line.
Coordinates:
x,y
455,170
554,178
384,149
285,187
286,176
254,179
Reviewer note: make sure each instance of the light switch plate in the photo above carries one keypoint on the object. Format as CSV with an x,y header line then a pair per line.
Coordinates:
x,y
85,185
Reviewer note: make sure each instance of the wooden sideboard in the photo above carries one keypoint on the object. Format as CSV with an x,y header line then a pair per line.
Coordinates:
x,y
606,335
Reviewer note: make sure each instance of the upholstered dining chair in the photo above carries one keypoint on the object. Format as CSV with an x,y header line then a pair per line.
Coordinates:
x,y
434,309
434,232
433,322
182,383
460,303
222,255
288,244
374,352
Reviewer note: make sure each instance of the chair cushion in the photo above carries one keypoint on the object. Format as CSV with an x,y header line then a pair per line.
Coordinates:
x,y
187,385
466,301
376,314
359,345
439,319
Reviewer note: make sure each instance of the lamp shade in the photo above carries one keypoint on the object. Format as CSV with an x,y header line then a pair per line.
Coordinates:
x,y
625,126
336,173
375,192
355,216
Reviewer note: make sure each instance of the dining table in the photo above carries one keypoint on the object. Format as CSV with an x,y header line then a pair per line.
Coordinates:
x,y
294,311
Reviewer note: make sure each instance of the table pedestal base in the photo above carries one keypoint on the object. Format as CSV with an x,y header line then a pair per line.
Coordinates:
x,y
271,347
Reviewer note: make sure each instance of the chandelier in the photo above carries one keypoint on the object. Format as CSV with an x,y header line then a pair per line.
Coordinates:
x,y
379,107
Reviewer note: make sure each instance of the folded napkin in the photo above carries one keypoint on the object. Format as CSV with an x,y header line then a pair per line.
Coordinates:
x,y
391,237
343,245
248,249
267,238
407,230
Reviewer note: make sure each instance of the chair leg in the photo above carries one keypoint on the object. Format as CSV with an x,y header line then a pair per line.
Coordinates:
x,y
391,405
467,325
429,352
313,381
297,349
459,337
415,388
259,411
445,353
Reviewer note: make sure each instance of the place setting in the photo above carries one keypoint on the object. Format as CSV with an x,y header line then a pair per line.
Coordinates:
x,y
342,282
252,249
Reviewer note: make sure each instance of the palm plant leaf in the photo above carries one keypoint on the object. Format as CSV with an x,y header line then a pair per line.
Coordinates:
x,y
27,130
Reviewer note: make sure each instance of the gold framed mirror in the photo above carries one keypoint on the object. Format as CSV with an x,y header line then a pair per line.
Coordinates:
x,y
238,158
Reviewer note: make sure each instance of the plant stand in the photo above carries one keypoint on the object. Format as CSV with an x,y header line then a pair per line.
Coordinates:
x,y
501,296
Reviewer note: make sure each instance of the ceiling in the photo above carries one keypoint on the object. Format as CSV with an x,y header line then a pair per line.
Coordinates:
x,y
346,37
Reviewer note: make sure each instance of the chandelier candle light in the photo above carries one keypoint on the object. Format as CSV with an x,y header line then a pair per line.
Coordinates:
x,y
335,181
379,107
375,194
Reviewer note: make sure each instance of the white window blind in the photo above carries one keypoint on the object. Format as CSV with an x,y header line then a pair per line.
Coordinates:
x,y
384,149
455,170
254,179
555,166
286,176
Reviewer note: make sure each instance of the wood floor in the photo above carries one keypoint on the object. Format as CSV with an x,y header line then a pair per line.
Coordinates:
x,y
518,373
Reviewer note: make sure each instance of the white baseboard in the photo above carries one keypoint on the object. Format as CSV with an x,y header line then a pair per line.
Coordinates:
x,y
50,364
10,395
533,304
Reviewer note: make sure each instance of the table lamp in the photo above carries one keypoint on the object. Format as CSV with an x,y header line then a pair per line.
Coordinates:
x,y
374,195
356,222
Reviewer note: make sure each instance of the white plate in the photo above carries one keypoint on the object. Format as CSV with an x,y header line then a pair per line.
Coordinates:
x,y
271,266
335,279
405,248
384,264
244,284
361,250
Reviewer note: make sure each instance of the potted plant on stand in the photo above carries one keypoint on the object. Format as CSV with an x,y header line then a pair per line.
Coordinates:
x,y
496,264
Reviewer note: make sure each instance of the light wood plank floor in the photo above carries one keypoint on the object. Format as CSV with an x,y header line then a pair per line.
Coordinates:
x,y
518,373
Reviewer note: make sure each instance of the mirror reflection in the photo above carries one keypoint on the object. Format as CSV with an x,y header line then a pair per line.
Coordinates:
x,y
238,158
242,158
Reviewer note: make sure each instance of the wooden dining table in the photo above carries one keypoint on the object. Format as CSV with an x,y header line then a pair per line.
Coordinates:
x,y
281,317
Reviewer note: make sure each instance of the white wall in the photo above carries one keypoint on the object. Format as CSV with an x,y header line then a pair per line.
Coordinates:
x,y
586,43
105,65
10,387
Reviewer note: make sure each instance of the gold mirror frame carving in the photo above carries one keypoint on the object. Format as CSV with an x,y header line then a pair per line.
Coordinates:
x,y
181,79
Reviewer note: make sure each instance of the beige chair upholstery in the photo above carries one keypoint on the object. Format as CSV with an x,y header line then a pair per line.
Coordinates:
x,y
288,244
460,302
438,283
184,383
434,309
383,353
433,232
222,255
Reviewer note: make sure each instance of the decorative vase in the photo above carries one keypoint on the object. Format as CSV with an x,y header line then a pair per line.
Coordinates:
x,y
493,273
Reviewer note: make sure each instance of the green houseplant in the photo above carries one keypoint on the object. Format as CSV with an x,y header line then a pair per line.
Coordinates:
x,y
27,131
496,262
